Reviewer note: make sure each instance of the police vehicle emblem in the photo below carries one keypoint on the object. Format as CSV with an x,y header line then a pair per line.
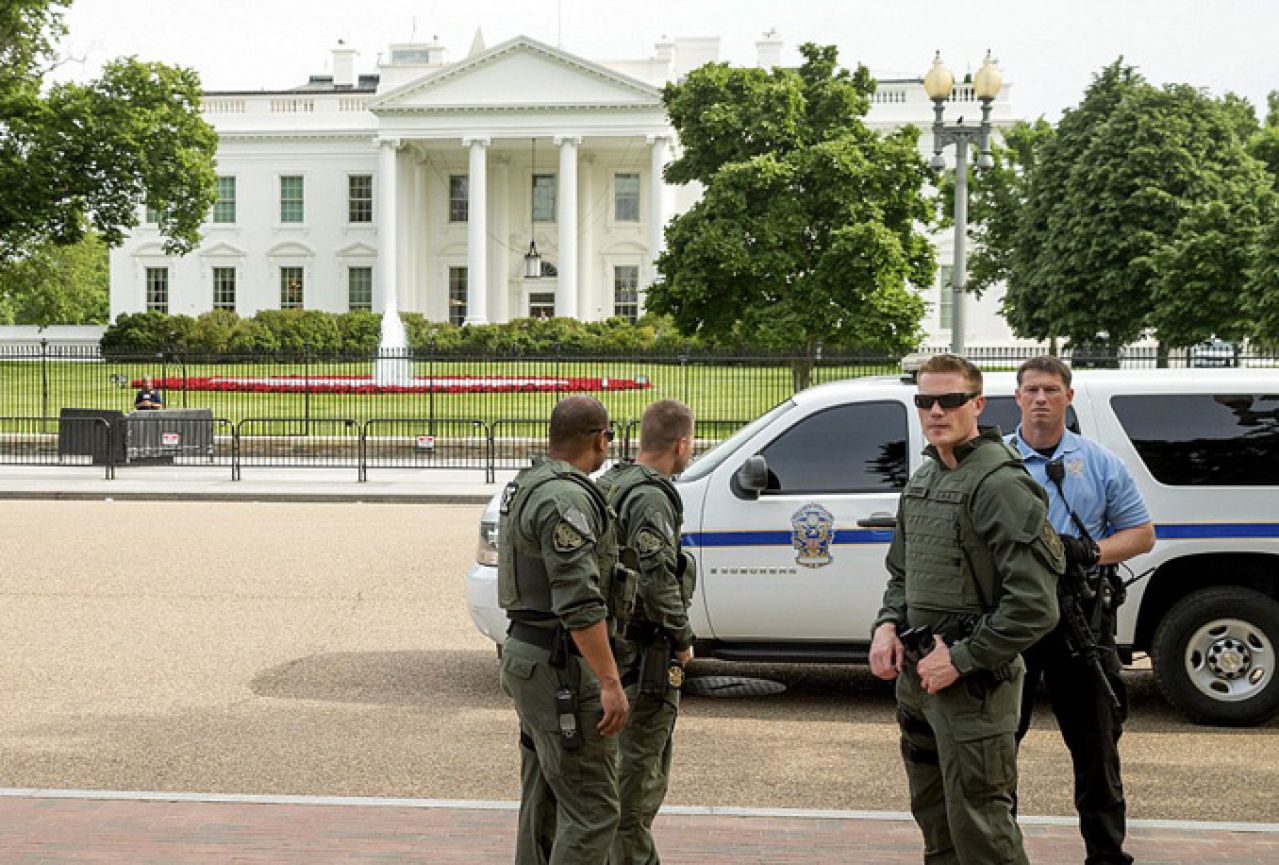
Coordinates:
x,y
813,533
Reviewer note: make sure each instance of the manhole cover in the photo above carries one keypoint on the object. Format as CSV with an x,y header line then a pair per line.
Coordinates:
x,y
731,686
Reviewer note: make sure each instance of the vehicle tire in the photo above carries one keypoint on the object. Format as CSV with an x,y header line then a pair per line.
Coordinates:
x,y
1215,657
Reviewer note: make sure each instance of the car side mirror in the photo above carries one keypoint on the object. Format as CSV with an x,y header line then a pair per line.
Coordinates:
x,y
752,478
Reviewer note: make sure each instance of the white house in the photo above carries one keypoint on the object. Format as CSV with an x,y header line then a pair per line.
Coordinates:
x,y
426,183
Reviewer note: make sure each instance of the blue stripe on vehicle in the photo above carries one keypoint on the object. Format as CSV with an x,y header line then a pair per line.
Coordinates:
x,y
779,539
1166,532
1194,531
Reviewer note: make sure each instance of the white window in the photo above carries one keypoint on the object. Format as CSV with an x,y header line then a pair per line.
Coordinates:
x,y
359,289
543,197
359,207
291,288
224,208
292,194
224,288
626,291
457,295
157,289
626,201
459,197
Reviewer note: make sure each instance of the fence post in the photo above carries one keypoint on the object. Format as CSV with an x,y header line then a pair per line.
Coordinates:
x,y
306,388
44,379
182,361
683,362
430,379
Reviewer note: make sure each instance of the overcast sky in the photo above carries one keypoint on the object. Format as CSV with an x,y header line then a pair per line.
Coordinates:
x,y
1049,51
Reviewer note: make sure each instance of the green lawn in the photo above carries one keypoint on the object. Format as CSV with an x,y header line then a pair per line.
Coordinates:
x,y
715,392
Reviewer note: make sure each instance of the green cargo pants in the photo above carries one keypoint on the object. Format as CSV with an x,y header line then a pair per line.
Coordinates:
x,y
644,763
961,762
568,799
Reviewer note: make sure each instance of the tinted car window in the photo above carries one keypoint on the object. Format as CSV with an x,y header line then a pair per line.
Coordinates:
x,y
1205,440
846,449
1002,411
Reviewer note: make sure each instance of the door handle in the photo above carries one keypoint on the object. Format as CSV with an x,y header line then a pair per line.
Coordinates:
x,y
878,521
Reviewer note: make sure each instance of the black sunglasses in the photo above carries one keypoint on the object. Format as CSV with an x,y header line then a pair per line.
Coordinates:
x,y
607,430
945,400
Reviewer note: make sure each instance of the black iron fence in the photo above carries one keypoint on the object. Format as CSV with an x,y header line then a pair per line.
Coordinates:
x,y
417,409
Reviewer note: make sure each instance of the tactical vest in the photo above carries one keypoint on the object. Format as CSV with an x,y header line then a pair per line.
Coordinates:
x,y
949,569
524,586
618,485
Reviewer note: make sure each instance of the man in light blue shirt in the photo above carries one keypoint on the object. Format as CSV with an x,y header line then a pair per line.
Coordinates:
x,y
1095,485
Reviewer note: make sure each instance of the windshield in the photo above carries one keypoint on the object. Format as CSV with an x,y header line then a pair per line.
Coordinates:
x,y
707,462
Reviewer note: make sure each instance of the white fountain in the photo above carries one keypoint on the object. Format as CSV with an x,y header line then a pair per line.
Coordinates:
x,y
393,366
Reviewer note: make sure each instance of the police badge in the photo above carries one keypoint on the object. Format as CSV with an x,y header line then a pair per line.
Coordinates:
x,y
813,533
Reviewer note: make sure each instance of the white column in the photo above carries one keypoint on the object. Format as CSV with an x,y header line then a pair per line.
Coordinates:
x,y
417,231
477,233
387,177
586,240
501,282
566,216
656,208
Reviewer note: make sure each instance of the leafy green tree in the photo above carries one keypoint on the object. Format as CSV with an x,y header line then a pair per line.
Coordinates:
x,y
1262,286
75,157
1265,142
1135,214
57,285
809,228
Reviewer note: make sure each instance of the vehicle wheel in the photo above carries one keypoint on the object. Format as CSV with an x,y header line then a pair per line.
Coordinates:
x,y
1215,657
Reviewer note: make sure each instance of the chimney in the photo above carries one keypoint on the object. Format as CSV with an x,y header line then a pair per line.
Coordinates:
x,y
768,51
343,65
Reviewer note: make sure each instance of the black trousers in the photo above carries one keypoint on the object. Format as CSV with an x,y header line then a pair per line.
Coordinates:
x,y
1091,729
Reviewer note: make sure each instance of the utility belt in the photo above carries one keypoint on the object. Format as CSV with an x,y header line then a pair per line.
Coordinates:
x,y
919,641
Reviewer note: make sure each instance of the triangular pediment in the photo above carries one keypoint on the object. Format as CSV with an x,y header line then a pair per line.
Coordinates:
x,y
521,73
356,250
222,249
289,249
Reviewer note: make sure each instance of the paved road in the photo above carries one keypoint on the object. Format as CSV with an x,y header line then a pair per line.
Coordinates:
x,y
323,649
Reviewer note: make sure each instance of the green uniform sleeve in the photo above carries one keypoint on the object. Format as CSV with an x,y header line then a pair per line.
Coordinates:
x,y
894,608
1009,515
565,523
652,529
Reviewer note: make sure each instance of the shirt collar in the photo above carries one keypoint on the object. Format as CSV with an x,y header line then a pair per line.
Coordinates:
x,y
1069,443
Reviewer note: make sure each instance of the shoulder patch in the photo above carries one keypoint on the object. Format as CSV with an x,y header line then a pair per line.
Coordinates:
x,y
508,496
567,538
1051,540
648,542
577,520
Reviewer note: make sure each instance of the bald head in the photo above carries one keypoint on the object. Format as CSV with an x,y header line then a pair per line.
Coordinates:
x,y
575,421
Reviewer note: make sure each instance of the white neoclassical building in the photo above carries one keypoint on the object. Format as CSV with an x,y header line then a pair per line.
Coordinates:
x,y
425,184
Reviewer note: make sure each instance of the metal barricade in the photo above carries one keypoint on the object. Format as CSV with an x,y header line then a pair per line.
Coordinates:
x,y
515,441
58,441
274,442
425,443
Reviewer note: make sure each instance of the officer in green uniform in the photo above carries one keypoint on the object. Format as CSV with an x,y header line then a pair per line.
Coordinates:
x,y
973,569
659,640
562,587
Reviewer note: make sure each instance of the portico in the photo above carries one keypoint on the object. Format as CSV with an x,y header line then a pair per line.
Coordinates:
x,y
569,145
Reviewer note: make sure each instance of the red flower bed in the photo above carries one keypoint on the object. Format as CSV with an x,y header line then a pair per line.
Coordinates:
x,y
422,384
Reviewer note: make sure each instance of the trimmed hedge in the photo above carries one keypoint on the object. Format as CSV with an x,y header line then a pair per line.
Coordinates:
x,y
293,331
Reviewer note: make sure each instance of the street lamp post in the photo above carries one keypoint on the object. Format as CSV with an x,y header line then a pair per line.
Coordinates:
x,y
938,84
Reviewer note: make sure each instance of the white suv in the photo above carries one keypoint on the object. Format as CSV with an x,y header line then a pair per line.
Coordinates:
x,y
791,560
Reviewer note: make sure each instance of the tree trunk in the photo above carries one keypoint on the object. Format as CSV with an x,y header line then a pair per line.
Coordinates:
x,y
1161,355
801,371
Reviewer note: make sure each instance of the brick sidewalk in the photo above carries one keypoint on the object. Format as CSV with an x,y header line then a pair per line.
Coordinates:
x,y
49,830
